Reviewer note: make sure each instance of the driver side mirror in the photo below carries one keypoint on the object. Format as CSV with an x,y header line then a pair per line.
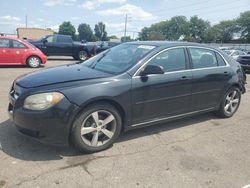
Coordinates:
x,y
45,41
151,69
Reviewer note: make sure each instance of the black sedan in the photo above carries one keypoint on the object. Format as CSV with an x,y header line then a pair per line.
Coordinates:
x,y
131,85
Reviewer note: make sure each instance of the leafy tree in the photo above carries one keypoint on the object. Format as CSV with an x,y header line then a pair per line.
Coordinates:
x,y
126,39
244,24
66,28
224,31
154,32
197,28
156,36
85,32
176,27
100,31
112,37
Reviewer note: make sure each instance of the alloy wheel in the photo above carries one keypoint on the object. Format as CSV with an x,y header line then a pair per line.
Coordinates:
x,y
98,128
232,102
34,62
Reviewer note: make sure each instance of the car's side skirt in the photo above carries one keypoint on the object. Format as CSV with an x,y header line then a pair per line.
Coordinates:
x,y
159,120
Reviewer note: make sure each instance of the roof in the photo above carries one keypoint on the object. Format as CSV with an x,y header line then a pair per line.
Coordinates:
x,y
8,37
168,43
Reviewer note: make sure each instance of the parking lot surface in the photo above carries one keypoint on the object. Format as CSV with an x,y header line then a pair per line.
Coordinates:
x,y
202,151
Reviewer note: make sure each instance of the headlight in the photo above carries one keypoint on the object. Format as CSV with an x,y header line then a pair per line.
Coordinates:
x,y
42,101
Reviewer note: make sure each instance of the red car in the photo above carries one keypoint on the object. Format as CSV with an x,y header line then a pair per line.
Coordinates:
x,y
17,52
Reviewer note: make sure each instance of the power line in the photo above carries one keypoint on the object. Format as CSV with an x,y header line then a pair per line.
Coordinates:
x,y
207,7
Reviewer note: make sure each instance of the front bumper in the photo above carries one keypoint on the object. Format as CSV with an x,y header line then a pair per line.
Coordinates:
x,y
50,126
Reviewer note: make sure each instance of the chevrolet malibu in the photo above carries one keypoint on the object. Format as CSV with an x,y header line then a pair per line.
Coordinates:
x,y
128,86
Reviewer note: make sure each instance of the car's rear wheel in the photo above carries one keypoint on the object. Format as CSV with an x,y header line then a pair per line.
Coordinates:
x,y
34,61
96,128
82,55
230,103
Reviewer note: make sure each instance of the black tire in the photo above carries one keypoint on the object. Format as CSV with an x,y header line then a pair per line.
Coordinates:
x,y
83,141
82,55
34,62
222,112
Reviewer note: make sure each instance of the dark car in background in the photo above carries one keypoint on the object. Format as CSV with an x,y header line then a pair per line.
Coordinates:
x,y
128,86
244,60
63,45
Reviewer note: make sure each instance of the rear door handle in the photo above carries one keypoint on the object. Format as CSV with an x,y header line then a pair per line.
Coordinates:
x,y
184,78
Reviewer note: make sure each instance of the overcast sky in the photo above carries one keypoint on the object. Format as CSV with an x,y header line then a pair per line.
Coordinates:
x,y
51,13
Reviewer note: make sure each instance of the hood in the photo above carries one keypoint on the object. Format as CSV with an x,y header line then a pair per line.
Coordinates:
x,y
66,73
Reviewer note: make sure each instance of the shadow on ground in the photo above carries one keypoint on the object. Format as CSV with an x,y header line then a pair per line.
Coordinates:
x,y
20,67
61,59
22,147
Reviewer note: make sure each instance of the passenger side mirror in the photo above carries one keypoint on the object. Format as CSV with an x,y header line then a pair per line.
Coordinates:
x,y
45,41
151,69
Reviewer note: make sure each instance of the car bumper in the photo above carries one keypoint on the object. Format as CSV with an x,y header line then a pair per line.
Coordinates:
x,y
44,59
50,126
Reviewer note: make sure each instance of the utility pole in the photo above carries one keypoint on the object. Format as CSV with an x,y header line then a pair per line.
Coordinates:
x,y
26,20
125,29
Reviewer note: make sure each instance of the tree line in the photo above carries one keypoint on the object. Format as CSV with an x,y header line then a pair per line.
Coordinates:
x,y
84,31
198,30
194,29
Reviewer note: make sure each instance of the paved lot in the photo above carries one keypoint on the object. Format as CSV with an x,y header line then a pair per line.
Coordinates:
x,y
202,151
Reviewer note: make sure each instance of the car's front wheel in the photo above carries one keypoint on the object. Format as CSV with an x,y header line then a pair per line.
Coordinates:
x,y
230,103
96,128
33,62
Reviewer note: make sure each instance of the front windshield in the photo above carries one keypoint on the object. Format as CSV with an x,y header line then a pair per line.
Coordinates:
x,y
118,59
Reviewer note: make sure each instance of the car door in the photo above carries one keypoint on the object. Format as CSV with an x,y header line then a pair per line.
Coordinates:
x,y
162,95
47,46
210,74
5,56
64,45
18,50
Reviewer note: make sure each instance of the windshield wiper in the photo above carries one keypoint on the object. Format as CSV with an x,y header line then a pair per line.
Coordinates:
x,y
98,60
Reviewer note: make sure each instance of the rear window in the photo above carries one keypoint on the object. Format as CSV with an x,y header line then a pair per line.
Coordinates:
x,y
220,60
202,58
17,44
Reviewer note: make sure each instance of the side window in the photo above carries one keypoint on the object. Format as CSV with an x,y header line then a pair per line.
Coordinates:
x,y
17,44
50,39
4,43
202,58
220,60
171,60
63,39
